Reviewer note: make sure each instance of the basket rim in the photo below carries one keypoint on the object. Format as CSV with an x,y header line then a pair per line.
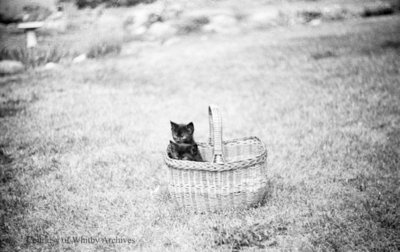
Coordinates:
x,y
226,166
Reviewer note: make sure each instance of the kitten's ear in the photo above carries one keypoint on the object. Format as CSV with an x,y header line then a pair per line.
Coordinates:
x,y
173,125
190,126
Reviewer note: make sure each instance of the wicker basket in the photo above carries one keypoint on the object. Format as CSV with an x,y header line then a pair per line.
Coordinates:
x,y
234,174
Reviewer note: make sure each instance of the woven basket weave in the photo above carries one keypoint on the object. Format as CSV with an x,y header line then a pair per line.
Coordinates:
x,y
234,174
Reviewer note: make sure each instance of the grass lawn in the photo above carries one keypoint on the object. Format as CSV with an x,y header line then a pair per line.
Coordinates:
x,y
81,147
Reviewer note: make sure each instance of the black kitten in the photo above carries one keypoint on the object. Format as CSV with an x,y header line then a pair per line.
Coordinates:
x,y
184,147
189,152
182,133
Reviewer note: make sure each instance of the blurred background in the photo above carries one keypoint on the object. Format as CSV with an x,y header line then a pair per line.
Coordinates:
x,y
93,28
88,87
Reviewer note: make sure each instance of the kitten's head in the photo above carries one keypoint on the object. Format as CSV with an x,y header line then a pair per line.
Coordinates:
x,y
182,133
183,151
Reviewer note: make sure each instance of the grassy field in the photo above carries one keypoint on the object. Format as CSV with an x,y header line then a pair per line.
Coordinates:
x,y
81,147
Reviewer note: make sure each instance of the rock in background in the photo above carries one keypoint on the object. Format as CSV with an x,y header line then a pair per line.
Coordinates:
x,y
13,10
263,18
222,23
11,67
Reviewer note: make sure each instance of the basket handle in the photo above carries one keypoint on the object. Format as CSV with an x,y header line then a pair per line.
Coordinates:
x,y
215,121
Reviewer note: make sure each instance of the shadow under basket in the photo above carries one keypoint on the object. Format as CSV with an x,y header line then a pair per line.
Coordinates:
x,y
232,176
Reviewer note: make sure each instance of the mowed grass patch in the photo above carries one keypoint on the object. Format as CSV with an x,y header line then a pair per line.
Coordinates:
x,y
86,157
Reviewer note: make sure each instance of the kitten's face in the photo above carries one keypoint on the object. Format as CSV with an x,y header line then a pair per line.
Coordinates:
x,y
182,133
183,151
